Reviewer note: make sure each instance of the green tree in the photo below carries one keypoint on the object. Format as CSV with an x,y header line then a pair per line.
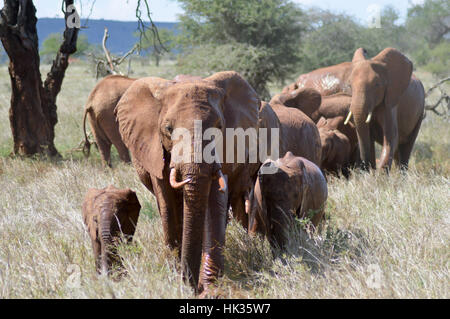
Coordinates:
x,y
430,20
167,40
333,38
257,38
428,27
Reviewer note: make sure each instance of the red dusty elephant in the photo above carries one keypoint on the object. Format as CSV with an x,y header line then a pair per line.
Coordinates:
x,y
387,103
296,189
336,148
298,133
109,214
99,110
193,195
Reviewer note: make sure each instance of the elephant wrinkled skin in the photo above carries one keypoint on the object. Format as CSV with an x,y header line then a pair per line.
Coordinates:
x,y
336,148
109,214
100,111
387,103
193,197
297,188
298,133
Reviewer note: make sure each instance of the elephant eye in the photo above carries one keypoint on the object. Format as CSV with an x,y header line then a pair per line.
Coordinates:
x,y
169,128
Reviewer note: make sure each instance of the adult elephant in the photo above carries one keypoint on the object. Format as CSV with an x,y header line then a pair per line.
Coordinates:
x,y
194,210
99,110
387,102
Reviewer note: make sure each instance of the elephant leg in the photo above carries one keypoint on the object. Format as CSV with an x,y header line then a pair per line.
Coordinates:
x,y
390,137
96,247
116,139
405,149
213,238
238,207
102,140
104,147
170,207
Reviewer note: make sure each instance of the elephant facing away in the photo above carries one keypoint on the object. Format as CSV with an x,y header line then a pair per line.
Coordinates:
x,y
193,195
297,189
109,214
100,112
298,132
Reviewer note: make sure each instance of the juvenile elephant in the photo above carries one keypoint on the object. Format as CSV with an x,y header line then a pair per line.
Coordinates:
x,y
296,189
383,89
100,111
109,214
193,194
336,148
298,133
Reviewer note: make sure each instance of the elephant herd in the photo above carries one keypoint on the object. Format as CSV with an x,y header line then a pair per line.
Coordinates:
x,y
327,121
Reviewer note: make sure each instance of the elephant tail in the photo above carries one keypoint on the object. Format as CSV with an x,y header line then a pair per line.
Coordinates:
x,y
87,143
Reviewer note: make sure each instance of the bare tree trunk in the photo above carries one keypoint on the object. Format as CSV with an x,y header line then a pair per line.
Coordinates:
x,y
33,103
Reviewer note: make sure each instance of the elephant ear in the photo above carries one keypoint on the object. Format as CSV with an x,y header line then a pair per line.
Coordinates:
x,y
268,119
359,55
241,102
306,100
137,114
399,70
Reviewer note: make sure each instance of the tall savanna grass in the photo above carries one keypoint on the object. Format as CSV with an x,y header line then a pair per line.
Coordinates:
x,y
384,236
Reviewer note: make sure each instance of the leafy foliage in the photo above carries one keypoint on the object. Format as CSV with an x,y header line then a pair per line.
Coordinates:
x,y
333,38
428,26
258,38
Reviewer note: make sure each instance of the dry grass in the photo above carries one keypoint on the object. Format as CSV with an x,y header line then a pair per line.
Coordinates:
x,y
394,230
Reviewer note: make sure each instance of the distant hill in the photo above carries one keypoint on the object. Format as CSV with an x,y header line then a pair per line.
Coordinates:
x,y
121,33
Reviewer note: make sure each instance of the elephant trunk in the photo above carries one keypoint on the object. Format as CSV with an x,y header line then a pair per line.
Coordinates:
x,y
214,235
106,240
195,202
362,116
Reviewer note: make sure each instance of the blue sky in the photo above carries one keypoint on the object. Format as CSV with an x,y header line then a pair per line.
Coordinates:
x,y
167,10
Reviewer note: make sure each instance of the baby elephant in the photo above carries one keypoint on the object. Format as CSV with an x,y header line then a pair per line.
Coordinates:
x,y
108,214
336,148
288,187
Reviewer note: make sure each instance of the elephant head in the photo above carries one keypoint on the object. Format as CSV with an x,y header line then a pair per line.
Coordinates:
x,y
110,214
377,85
153,115
277,197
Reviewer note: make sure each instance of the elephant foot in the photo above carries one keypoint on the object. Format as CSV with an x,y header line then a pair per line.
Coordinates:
x,y
208,275
211,292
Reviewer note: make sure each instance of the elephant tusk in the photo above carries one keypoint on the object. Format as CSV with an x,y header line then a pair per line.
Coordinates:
x,y
369,117
348,118
173,179
247,203
222,182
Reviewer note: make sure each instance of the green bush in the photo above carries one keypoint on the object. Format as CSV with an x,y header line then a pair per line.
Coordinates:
x,y
258,38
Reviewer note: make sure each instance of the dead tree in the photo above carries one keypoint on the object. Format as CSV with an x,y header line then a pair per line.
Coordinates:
x,y
33,104
443,100
108,65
